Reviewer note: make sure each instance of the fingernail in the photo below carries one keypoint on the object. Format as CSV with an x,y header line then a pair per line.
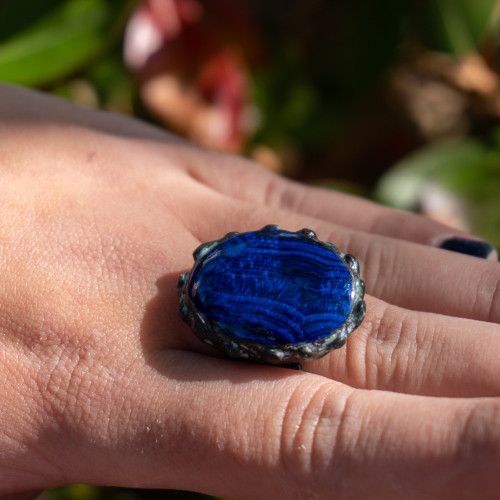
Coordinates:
x,y
481,249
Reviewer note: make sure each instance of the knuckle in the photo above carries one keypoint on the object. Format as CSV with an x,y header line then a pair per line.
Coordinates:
x,y
291,196
392,344
316,423
479,441
484,302
280,193
494,301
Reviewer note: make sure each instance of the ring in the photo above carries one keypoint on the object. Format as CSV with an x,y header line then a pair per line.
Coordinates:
x,y
272,296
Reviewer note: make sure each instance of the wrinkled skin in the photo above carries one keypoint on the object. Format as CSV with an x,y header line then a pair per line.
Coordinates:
x,y
102,383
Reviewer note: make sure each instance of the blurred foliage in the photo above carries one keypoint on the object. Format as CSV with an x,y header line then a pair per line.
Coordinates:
x,y
397,99
461,179
329,59
453,26
42,42
320,65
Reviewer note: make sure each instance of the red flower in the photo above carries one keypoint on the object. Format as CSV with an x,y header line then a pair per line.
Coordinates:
x,y
191,61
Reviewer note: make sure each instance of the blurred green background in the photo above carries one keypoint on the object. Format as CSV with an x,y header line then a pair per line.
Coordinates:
x,y
395,100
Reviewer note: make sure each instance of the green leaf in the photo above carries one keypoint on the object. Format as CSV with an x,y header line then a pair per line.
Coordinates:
x,y
46,43
468,170
459,166
454,26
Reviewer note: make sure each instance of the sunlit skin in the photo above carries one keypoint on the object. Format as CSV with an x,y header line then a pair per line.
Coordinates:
x,y
103,384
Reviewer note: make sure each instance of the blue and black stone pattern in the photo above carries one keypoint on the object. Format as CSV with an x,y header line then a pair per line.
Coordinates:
x,y
272,296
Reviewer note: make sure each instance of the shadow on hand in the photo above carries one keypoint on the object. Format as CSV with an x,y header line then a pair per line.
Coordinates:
x,y
171,348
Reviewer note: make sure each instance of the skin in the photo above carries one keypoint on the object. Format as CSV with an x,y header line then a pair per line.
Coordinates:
x,y
102,383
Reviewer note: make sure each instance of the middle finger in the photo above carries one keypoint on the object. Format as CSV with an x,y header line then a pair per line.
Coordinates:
x,y
402,273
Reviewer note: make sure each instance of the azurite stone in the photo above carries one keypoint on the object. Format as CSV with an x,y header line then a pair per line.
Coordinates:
x,y
272,295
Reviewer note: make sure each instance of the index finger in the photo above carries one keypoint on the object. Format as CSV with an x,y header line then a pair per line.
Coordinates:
x,y
251,431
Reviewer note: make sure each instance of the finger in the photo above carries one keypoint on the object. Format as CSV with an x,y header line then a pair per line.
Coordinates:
x,y
237,430
406,274
257,185
417,353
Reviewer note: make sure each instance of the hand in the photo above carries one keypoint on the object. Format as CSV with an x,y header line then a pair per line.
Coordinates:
x,y
104,384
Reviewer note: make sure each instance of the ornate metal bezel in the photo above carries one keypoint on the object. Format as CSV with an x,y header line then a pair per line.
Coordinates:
x,y
277,354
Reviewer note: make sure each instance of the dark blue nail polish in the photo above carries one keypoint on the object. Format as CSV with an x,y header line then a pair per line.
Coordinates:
x,y
480,249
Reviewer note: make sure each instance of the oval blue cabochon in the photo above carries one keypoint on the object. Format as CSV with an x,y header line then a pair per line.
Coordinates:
x,y
272,287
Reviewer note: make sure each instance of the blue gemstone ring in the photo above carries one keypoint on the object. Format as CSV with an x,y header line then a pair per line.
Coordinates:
x,y
272,296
